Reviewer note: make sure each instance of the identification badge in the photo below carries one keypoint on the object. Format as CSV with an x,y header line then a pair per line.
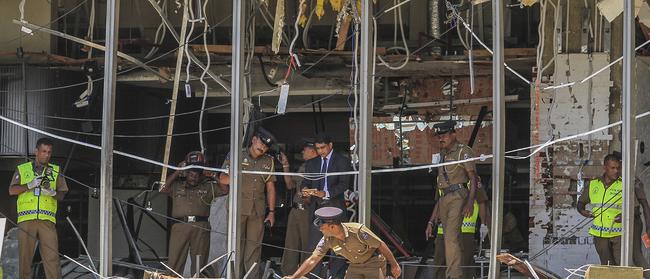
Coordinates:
x,y
435,158
37,191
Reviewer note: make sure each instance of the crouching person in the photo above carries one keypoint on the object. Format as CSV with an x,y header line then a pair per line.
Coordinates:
x,y
366,253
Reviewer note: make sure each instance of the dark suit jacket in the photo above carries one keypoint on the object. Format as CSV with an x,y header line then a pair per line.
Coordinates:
x,y
336,185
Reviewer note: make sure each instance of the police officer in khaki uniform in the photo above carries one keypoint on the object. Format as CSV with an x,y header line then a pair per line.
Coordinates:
x,y
366,252
300,216
456,202
191,204
468,241
252,199
39,188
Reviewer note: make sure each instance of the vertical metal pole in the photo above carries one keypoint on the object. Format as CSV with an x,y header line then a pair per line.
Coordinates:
x,y
108,117
177,79
25,106
236,135
629,132
498,137
366,85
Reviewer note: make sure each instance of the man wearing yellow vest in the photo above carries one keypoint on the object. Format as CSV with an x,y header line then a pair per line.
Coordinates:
x,y
468,231
39,187
605,196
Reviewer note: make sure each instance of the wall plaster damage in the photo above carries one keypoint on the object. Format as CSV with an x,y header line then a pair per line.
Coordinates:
x,y
556,171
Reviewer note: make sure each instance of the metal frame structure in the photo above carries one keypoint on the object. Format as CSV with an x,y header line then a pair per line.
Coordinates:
x,y
365,144
498,136
629,132
108,118
366,84
236,134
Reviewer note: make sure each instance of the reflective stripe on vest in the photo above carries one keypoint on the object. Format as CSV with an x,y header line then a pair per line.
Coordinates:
x,y
606,205
469,223
30,206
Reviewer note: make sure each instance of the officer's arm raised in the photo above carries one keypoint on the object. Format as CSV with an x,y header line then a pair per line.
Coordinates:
x,y
166,188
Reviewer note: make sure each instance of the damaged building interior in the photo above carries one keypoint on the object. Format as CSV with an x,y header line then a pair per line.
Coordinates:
x,y
131,97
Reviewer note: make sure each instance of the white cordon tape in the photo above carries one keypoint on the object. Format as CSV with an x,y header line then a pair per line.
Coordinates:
x,y
576,272
316,176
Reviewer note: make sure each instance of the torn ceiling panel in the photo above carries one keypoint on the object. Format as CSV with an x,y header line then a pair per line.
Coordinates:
x,y
644,14
611,9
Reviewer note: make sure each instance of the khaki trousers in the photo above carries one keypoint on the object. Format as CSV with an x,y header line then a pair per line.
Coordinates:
x,y
608,249
374,268
451,217
194,237
468,244
252,232
45,233
297,238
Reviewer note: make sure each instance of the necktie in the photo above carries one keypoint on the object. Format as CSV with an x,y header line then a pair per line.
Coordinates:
x,y
323,169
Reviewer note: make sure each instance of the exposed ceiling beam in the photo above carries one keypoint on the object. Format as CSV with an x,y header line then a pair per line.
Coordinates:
x,y
289,110
292,92
473,101
90,44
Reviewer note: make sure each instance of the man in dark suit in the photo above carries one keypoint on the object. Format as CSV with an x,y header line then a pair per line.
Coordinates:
x,y
329,191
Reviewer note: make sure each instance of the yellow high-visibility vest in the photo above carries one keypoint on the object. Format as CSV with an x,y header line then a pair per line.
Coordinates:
x,y
32,207
606,205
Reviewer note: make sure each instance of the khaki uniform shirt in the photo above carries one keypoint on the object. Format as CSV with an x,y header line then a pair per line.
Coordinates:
x,y
458,173
61,185
253,201
358,247
193,201
297,180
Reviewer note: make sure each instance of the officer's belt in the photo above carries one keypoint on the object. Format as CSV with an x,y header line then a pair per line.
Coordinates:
x,y
452,188
194,219
376,258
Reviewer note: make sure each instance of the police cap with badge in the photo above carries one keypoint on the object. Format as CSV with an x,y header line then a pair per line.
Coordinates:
x,y
444,127
265,137
195,158
309,142
328,215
